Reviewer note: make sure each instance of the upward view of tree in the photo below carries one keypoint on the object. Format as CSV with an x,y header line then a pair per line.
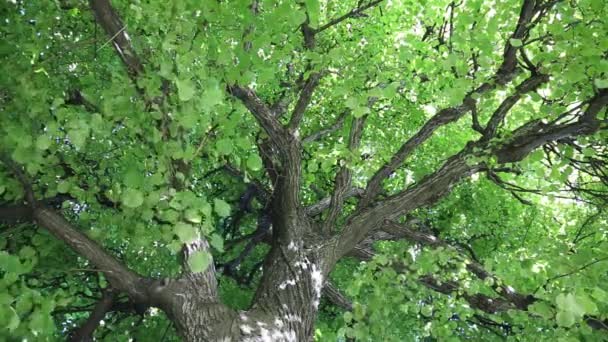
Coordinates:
x,y
272,170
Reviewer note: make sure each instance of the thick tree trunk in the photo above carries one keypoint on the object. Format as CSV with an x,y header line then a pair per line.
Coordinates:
x,y
284,308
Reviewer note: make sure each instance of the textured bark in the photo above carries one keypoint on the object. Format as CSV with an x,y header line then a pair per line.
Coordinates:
x,y
85,332
296,268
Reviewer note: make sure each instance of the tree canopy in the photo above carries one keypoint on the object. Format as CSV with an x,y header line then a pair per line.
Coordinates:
x,y
272,170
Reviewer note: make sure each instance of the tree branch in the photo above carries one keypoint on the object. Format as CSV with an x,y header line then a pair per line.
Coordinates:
x,y
530,84
304,100
534,134
353,13
434,186
333,294
505,291
112,24
262,114
505,73
117,274
85,332
343,177
317,208
326,131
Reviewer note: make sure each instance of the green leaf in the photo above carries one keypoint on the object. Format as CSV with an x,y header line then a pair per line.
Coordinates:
x,y
78,137
254,162
193,215
348,316
360,111
213,94
543,309
570,304
601,83
63,187
43,142
185,233
217,242
313,9
224,146
515,42
221,207
132,198
185,89
565,318
199,261
10,317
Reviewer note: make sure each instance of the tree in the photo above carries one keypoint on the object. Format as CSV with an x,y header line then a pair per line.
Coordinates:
x,y
357,169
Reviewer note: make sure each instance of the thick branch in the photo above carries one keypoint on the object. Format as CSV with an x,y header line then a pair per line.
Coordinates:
x,y
427,191
353,13
333,294
535,134
262,114
508,293
434,186
505,73
304,100
85,332
14,214
326,131
285,199
530,84
117,274
343,177
323,204
116,30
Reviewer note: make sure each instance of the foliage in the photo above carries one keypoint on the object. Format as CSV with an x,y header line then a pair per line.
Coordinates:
x,y
152,148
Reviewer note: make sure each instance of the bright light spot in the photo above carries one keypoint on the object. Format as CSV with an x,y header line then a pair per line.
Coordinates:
x,y
246,329
430,110
317,283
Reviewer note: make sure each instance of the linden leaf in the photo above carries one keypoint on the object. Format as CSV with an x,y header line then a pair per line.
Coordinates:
x,y
217,242
516,42
221,207
132,198
199,261
565,318
185,89
601,83
254,162
185,233
224,146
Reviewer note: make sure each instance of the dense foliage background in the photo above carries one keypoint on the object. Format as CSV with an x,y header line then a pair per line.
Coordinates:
x,y
145,148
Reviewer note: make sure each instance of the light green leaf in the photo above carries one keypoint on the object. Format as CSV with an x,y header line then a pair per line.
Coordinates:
x,y
132,198
43,142
185,233
601,83
360,111
217,242
199,261
221,207
516,42
313,9
565,318
193,215
224,146
570,304
78,137
11,317
63,187
185,89
348,316
254,162
213,94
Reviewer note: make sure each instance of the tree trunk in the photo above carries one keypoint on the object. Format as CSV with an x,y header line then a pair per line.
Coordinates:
x,y
284,308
